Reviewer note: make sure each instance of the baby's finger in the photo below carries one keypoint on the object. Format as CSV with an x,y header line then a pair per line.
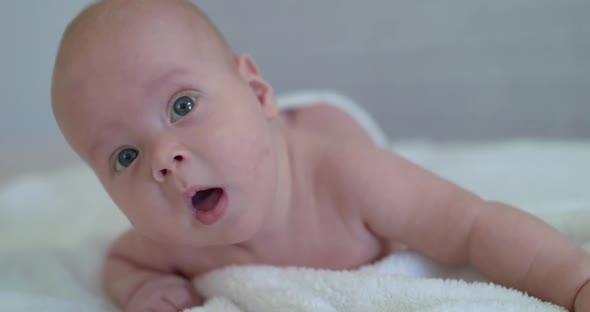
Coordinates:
x,y
161,306
154,304
180,298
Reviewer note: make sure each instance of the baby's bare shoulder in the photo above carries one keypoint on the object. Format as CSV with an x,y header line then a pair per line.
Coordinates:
x,y
349,167
374,181
349,164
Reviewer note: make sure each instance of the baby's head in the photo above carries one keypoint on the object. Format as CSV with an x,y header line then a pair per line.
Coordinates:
x,y
177,128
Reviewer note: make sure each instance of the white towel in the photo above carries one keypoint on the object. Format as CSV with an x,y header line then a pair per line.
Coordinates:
x,y
384,286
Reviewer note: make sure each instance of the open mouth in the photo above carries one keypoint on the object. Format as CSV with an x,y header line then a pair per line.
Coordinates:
x,y
209,205
206,200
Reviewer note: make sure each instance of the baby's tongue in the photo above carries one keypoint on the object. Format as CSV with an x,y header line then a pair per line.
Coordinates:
x,y
206,200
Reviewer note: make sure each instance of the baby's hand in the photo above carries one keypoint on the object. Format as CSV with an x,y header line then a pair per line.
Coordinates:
x,y
168,293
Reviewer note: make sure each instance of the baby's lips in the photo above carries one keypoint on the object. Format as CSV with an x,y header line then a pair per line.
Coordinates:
x,y
192,190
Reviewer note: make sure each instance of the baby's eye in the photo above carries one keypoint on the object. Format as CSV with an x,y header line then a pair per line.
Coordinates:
x,y
181,107
125,157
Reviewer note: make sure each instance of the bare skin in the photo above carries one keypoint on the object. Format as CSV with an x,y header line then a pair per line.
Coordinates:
x,y
305,188
347,243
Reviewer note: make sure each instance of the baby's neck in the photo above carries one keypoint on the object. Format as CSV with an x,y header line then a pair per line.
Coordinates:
x,y
284,220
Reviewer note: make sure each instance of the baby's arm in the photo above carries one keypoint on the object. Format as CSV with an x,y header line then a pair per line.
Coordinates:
x,y
407,204
138,278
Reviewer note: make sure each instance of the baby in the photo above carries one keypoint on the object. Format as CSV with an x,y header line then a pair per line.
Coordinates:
x,y
188,140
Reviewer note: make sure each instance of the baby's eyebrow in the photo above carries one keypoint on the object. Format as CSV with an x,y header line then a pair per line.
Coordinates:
x,y
155,84
101,141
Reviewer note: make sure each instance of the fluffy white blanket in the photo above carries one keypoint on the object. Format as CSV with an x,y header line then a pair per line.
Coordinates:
x,y
54,228
386,286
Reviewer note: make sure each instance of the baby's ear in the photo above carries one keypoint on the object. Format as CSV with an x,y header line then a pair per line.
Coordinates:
x,y
262,89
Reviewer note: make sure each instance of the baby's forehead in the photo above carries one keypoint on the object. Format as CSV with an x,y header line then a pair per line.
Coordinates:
x,y
123,31
131,18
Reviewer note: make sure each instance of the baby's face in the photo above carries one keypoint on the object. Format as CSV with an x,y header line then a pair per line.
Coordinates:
x,y
180,141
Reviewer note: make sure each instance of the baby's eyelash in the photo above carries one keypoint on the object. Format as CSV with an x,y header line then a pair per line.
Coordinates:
x,y
123,158
181,105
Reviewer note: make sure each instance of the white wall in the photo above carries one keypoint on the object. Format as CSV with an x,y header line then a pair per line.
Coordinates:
x,y
29,35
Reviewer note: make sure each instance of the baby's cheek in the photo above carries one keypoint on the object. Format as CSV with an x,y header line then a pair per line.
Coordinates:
x,y
117,197
256,156
126,204
266,158
266,152
136,204
146,212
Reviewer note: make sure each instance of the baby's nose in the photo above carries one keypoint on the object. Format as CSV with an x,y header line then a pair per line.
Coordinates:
x,y
168,166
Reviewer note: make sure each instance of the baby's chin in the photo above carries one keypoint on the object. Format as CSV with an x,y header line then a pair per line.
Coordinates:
x,y
238,230
228,231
